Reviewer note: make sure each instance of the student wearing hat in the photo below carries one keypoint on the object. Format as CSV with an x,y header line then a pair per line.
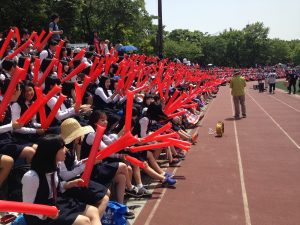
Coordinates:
x,y
96,194
237,85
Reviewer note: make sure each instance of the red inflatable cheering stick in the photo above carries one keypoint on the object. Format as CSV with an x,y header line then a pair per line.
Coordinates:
x,y
130,95
176,114
22,207
45,74
35,107
6,42
74,72
37,42
18,36
158,132
147,147
18,50
25,67
121,143
86,82
10,90
78,95
92,156
41,45
36,70
54,111
135,161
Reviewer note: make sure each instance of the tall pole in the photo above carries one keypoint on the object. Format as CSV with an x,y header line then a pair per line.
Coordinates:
x,y
160,30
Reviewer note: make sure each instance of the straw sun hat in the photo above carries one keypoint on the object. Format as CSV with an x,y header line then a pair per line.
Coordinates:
x,y
71,129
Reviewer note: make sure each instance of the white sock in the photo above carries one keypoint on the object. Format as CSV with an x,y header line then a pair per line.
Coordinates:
x,y
164,179
139,186
163,174
131,188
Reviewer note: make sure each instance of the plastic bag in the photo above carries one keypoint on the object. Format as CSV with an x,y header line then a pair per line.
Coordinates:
x,y
211,131
114,214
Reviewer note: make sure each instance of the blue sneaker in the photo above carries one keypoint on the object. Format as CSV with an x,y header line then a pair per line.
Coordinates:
x,y
169,181
169,175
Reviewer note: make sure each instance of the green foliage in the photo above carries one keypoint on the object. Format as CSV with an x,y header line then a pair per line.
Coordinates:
x,y
296,54
183,43
129,21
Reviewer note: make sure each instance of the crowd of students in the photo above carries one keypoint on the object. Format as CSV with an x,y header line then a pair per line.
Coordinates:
x,y
57,154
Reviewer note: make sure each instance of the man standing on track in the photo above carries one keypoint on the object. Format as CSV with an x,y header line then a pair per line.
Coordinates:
x,y
237,85
292,79
272,81
259,76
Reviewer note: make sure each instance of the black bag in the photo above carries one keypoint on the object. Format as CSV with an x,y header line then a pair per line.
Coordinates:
x,y
261,87
14,182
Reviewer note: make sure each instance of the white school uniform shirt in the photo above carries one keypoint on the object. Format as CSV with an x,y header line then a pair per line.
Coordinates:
x,y
30,182
2,77
99,91
16,114
7,127
106,51
78,168
19,55
44,54
106,140
63,112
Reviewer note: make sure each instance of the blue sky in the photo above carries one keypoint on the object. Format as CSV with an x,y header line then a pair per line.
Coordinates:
x,y
282,17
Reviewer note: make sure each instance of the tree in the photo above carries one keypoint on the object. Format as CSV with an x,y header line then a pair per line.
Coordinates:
x,y
280,51
296,54
183,43
255,44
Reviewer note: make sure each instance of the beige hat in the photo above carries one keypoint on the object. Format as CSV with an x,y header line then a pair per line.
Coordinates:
x,y
71,129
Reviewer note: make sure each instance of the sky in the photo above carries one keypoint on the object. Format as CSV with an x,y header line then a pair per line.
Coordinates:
x,y
213,16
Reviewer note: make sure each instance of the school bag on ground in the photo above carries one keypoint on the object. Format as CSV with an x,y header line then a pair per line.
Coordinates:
x,y
113,214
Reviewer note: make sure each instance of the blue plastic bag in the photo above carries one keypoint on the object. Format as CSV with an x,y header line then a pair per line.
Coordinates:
x,y
19,221
114,214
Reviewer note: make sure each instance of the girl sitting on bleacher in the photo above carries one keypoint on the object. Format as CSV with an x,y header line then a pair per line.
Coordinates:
x,y
42,185
9,145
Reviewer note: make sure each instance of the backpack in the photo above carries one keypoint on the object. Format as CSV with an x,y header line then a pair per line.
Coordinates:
x,y
14,182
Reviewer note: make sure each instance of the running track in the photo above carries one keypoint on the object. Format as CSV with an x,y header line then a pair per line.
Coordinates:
x,y
252,176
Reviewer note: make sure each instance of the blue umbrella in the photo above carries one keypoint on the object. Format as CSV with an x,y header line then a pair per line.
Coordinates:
x,y
127,48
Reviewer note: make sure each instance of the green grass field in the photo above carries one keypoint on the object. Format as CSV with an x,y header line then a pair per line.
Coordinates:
x,y
279,85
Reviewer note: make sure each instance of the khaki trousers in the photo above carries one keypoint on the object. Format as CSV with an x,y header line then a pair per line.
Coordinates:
x,y
239,100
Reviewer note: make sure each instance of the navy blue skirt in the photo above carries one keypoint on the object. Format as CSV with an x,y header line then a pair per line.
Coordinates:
x,y
91,195
104,172
69,208
12,149
142,155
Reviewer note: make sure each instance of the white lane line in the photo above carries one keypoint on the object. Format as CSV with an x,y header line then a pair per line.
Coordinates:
x,y
244,193
284,103
292,140
174,172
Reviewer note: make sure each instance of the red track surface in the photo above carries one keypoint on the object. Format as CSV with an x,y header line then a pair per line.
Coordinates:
x,y
211,179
